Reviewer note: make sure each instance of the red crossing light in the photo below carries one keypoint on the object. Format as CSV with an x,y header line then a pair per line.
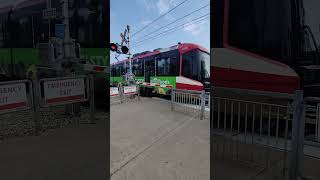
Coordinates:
x,y
113,47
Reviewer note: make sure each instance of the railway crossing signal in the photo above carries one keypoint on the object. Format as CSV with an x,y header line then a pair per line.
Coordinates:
x,y
121,49
124,49
114,47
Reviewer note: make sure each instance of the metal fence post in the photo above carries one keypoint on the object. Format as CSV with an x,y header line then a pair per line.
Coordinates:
x,y
36,105
297,135
121,94
203,99
318,122
92,103
138,89
173,97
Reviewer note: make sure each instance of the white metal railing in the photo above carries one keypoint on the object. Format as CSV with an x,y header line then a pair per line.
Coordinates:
x,y
268,125
250,120
251,123
190,102
318,121
312,117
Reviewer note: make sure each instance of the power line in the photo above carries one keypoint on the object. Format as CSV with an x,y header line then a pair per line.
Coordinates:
x,y
176,27
183,25
159,17
177,20
168,32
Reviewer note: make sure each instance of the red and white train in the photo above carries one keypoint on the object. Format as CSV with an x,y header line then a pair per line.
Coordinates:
x,y
241,61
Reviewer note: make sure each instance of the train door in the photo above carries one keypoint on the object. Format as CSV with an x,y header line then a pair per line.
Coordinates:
x,y
149,69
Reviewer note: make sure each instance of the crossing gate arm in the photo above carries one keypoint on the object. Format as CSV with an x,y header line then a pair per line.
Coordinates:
x,y
95,68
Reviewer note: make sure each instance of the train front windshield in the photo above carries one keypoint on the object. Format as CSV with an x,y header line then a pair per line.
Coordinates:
x,y
204,59
196,65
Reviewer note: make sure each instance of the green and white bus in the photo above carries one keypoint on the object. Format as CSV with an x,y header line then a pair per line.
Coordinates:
x,y
183,66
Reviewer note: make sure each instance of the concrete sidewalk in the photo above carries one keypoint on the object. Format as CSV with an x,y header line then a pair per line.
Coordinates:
x,y
75,153
149,141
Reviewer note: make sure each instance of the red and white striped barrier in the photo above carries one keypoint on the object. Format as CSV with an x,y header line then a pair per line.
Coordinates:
x,y
155,85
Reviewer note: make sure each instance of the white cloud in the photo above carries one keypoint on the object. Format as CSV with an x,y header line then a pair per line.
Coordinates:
x,y
164,6
148,4
145,22
161,6
196,29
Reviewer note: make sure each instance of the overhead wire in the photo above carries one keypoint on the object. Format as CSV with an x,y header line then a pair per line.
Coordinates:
x,y
159,18
169,31
176,20
201,18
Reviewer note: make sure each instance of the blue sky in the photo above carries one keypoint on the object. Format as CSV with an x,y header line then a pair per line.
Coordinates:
x,y
138,13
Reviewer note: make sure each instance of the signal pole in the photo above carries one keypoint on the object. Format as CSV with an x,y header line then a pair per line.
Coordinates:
x,y
67,40
129,53
126,39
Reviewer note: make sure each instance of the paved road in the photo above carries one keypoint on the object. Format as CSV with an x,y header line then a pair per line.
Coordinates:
x,y
69,153
149,141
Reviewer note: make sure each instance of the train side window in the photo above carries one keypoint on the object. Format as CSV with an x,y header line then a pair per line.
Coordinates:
x,y
190,66
261,29
1,35
137,68
122,70
163,66
167,66
117,70
150,65
113,71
